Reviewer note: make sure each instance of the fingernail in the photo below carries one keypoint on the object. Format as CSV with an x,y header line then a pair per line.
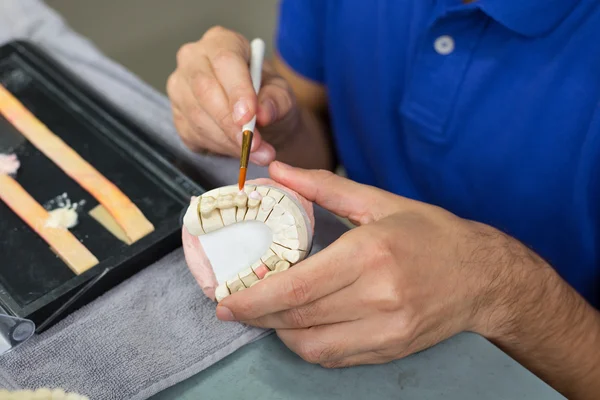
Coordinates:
x,y
239,110
283,165
269,108
224,314
261,157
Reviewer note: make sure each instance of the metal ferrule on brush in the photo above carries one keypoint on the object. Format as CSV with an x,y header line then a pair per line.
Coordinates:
x,y
246,146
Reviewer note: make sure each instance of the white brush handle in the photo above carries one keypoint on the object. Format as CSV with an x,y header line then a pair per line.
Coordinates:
x,y
257,56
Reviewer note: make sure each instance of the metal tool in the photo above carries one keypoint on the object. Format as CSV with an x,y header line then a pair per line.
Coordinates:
x,y
256,61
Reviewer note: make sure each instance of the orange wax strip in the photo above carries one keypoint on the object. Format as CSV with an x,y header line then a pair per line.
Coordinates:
x,y
68,248
121,208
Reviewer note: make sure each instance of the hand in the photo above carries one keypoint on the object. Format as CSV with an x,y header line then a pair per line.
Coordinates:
x,y
212,98
408,277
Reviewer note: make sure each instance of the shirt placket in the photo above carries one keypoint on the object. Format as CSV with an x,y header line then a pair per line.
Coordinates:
x,y
438,71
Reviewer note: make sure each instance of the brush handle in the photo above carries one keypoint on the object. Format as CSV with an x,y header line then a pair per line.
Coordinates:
x,y
257,56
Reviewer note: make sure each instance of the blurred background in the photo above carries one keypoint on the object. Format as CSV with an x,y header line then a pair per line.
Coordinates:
x,y
144,35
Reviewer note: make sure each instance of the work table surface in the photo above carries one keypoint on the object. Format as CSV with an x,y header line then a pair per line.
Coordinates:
x,y
464,367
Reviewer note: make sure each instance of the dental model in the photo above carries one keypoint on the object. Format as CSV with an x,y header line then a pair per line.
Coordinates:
x,y
233,239
40,394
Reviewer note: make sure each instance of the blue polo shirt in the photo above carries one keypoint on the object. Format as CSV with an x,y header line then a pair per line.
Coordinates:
x,y
490,110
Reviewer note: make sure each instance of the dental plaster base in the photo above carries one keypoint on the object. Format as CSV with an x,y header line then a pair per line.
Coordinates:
x,y
233,239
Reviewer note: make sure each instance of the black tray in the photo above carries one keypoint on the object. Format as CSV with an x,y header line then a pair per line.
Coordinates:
x,y
34,283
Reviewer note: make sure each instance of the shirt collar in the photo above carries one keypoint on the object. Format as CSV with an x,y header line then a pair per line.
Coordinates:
x,y
528,17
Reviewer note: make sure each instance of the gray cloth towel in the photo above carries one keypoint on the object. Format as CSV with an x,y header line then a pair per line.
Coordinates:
x,y
157,328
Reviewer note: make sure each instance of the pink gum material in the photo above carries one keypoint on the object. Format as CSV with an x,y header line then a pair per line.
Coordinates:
x,y
198,262
261,271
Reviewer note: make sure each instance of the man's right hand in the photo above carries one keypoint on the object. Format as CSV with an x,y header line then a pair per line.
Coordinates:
x,y
212,97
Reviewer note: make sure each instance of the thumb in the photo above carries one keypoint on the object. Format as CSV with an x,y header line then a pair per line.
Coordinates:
x,y
359,203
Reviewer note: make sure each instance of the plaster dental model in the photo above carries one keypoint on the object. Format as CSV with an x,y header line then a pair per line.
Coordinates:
x,y
232,239
40,394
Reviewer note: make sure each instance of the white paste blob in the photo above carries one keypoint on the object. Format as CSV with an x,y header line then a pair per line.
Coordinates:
x,y
65,218
9,164
236,247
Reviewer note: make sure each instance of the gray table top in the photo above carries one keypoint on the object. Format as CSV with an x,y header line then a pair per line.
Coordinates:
x,y
464,367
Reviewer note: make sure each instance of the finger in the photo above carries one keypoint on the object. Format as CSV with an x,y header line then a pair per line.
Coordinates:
x,y
334,308
326,272
229,54
261,152
263,155
402,349
211,97
191,138
327,343
359,203
231,70
368,358
201,131
275,98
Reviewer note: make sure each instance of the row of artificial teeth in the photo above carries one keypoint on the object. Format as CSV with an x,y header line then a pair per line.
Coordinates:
x,y
226,201
249,277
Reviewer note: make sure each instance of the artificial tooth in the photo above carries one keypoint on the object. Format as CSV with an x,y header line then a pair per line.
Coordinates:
x,y
247,277
292,244
221,292
276,194
228,215
254,202
287,219
241,199
192,220
268,254
263,190
225,201
272,261
240,214
282,266
266,206
207,205
251,214
293,256
249,189
300,223
290,233
268,203
211,218
235,285
279,219
269,274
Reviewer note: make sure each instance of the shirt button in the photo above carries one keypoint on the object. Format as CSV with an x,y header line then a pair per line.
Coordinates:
x,y
444,45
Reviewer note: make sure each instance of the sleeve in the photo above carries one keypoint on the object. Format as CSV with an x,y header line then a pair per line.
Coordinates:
x,y
300,37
